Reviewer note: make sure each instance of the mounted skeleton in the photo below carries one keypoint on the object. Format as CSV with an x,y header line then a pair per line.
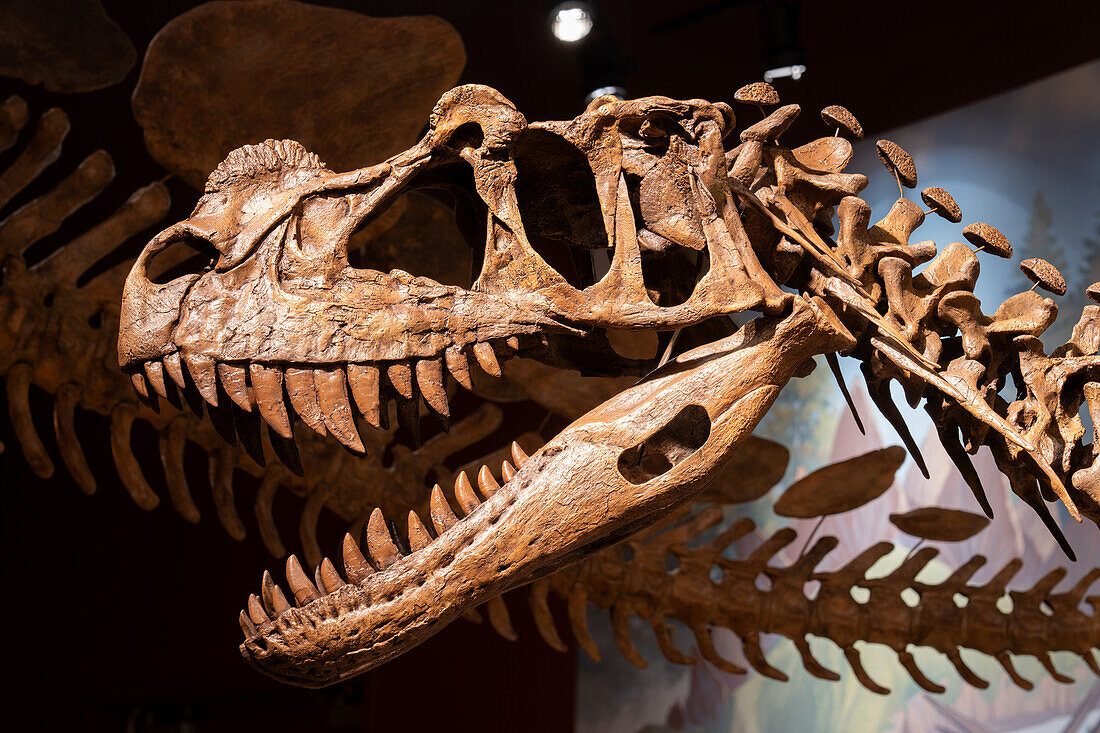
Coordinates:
x,y
281,311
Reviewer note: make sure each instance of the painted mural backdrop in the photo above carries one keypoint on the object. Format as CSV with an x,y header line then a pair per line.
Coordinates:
x,y
1029,162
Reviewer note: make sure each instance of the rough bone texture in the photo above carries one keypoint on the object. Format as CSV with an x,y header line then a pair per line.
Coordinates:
x,y
280,317
59,332
644,588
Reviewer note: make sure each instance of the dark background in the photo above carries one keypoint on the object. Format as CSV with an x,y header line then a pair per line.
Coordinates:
x,y
118,619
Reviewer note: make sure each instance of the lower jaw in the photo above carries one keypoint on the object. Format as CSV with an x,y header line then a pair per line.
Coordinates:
x,y
592,485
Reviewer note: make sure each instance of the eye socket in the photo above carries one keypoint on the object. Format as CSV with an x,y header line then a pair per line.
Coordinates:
x,y
187,254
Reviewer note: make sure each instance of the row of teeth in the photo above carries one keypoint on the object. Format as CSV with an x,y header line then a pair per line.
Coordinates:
x,y
320,395
382,550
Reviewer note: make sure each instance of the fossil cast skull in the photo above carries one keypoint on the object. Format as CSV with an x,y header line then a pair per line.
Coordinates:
x,y
695,232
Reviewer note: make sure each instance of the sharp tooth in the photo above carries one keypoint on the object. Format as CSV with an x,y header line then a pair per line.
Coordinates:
x,y
278,600
443,517
513,343
329,577
400,376
429,377
175,369
201,369
465,495
235,382
486,482
506,471
458,366
173,441
138,380
355,565
418,533
304,399
256,611
519,456
500,620
267,592
267,385
68,443
485,356
332,391
247,626
364,381
300,586
154,370
193,400
286,450
408,417
221,418
249,426
221,486
122,418
380,543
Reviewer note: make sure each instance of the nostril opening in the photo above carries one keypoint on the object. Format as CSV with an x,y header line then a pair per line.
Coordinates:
x,y
48,300
188,255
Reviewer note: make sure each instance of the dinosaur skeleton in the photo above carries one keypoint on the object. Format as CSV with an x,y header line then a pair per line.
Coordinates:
x,y
279,315
643,587
58,333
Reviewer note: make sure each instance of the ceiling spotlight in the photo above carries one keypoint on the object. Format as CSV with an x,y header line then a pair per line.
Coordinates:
x,y
613,90
571,22
794,71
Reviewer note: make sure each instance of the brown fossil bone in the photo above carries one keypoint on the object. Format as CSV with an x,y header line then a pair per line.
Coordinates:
x,y
940,524
985,237
839,117
760,93
65,45
687,433
351,108
1045,275
650,182
842,486
642,586
59,329
942,203
898,162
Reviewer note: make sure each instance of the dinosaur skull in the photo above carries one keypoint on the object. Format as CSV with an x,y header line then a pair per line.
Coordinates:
x,y
281,309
